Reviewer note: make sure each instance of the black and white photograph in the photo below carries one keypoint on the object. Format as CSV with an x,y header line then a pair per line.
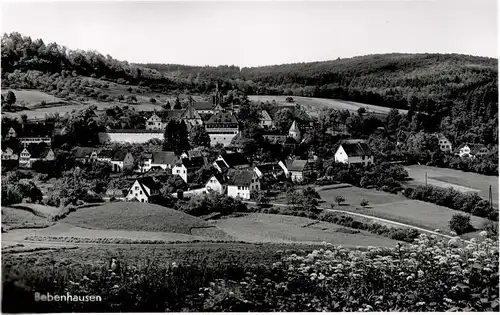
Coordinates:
x,y
249,156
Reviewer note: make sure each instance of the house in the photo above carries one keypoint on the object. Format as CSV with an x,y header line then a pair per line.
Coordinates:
x,y
269,170
85,154
471,150
163,159
35,153
444,144
11,133
216,183
240,183
294,132
298,170
354,152
35,133
204,107
191,117
231,161
222,127
8,154
265,120
120,159
155,123
186,168
144,190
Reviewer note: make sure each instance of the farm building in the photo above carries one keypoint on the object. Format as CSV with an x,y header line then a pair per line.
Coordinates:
x,y
269,170
216,183
354,152
159,159
231,161
471,150
298,170
241,183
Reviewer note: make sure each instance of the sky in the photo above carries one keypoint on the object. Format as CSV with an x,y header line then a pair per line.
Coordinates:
x,y
258,33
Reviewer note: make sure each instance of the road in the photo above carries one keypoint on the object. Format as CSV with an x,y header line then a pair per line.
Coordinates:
x,y
371,217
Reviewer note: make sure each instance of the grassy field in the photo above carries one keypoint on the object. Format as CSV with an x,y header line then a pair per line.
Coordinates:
x,y
313,104
30,98
354,195
459,180
259,227
134,216
38,209
13,218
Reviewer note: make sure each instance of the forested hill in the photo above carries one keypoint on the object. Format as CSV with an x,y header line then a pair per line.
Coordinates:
x,y
458,93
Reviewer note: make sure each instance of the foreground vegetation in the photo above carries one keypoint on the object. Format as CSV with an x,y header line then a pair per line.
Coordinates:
x,y
430,275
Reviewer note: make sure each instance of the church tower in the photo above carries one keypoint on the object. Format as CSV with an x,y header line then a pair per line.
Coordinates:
x,y
294,132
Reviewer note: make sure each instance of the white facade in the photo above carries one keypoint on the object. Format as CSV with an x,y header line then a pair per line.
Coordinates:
x,y
8,154
342,157
224,137
466,151
244,191
297,176
180,170
154,123
136,191
213,184
130,137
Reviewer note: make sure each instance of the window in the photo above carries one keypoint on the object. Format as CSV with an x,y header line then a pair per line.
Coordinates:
x,y
140,193
136,188
136,194
184,171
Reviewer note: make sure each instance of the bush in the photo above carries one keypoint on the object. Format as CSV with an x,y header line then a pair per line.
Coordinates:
x,y
364,203
460,224
339,200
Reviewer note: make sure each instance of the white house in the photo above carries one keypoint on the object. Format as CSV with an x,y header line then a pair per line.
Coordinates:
x,y
265,120
222,127
155,123
294,132
241,183
119,159
444,144
163,159
354,152
297,169
186,168
143,190
471,150
8,154
216,183
27,157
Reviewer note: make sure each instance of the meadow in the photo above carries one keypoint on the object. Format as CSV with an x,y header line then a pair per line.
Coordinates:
x,y
430,275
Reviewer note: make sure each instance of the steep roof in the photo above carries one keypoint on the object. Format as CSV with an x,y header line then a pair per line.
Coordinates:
x,y
265,115
203,105
221,165
194,162
220,178
296,165
268,168
38,152
234,159
190,113
164,157
239,177
114,155
173,113
83,152
294,127
356,147
148,182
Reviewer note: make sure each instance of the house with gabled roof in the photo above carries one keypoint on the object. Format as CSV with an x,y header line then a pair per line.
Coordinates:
x,y
354,151
216,183
298,170
471,150
191,117
120,159
85,154
294,132
265,120
233,160
186,168
11,133
204,107
222,127
241,183
35,153
164,159
269,170
144,190
155,123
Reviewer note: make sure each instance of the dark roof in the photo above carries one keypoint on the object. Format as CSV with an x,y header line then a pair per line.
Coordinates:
x,y
194,153
296,165
234,159
219,178
148,182
203,105
474,148
190,113
222,118
221,165
38,152
164,157
83,152
114,155
134,131
36,130
239,177
194,162
269,168
356,147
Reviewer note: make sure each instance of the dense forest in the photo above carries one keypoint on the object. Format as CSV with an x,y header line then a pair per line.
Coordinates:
x,y
454,94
